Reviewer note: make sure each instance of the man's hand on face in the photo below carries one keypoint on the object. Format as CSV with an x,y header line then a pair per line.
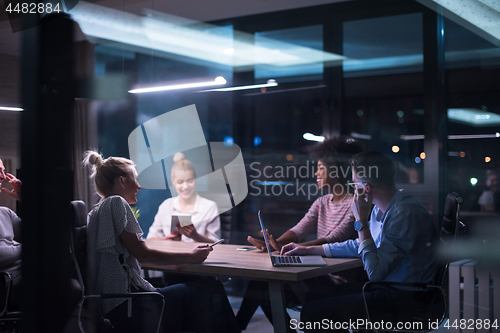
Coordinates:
x,y
362,205
16,185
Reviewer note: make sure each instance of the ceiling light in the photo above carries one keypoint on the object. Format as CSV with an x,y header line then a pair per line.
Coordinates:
x,y
412,137
219,80
7,108
472,136
312,137
453,137
361,136
270,83
174,35
474,117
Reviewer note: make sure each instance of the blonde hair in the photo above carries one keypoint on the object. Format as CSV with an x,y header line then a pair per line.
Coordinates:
x,y
182,164
105,171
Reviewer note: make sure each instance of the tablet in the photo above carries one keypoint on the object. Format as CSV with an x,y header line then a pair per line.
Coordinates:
x,y
182,219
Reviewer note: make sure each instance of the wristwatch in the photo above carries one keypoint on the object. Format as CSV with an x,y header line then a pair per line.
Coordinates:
x,y
358,225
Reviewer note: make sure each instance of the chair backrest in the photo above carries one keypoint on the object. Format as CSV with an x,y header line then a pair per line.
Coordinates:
x,y
451,217
79,240
449,231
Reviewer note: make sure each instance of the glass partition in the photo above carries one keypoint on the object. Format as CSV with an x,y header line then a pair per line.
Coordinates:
x,y
383,78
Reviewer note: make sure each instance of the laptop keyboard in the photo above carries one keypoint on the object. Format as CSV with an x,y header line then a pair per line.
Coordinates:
x,y
287,260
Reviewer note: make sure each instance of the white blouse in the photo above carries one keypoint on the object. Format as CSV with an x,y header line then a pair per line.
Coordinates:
x,y
113,269
204,216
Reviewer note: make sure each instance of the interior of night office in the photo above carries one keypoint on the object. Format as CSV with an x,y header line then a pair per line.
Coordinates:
x,y
417,80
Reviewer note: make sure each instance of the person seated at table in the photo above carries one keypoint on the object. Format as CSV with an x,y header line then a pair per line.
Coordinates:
x,y
330,215
487,198
10,238
396,241
204,212
115,247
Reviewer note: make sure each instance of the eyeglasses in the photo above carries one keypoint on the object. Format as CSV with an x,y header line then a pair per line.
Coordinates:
x,y
353,185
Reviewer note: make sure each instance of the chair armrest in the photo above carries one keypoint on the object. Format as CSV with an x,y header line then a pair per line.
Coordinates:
x,y
127,295
399,284
423,286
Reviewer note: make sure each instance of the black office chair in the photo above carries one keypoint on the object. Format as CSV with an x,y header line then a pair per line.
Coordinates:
x,y
79,255
452,226
435,306
10,316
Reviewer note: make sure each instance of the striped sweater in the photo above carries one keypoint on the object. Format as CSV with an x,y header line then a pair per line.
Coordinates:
x,y
334,222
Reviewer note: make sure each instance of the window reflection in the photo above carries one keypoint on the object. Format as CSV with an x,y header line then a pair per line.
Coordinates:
x,y
383,106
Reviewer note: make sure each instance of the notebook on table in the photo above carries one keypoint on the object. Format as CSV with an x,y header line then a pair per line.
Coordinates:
x,y
279,261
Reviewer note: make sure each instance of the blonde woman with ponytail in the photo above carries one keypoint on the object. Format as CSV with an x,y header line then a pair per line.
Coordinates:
x,y
115,247
204,212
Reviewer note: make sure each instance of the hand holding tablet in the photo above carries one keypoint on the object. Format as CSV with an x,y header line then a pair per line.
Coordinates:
x,y
182,219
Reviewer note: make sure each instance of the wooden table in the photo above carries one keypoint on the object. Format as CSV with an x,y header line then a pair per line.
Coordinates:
x,y
225,260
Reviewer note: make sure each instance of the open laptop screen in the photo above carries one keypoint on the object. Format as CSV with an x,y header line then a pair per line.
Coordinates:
x,y
265,235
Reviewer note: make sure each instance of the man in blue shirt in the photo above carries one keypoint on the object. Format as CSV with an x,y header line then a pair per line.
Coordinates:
x,y
396,241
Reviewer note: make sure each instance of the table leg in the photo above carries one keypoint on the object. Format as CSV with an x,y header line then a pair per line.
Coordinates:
x,y
278,306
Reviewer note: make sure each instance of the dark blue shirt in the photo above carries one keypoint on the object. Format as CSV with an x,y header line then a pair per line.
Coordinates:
x,y
404,245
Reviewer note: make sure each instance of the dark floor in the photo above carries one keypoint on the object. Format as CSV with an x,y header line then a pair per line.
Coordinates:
x,y
260,324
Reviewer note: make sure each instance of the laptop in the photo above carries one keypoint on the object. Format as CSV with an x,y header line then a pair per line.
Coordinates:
x,y
279,261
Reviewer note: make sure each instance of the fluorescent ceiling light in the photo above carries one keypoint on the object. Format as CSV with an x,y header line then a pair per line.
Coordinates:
x,y
285,90
7,108
474,136
312,137
453,137
361,136
270,83
219,80
189,38
351,65
412,137
474,117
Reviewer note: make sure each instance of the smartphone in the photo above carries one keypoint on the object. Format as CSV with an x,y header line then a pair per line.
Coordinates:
x,y
218,242
246,248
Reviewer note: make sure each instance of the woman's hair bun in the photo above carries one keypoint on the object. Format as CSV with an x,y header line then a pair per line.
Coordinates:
x,y
93,158
179,157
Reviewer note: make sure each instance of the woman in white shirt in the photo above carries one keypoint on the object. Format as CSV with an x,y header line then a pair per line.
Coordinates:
x,y
204,213
115,247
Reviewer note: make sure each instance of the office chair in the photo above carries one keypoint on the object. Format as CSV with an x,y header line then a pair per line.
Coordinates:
x,y
79,255
435,306
10,317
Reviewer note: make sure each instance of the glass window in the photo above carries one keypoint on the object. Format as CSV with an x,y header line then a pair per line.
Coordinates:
x,y
295,52
473,89
383,45
384,89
